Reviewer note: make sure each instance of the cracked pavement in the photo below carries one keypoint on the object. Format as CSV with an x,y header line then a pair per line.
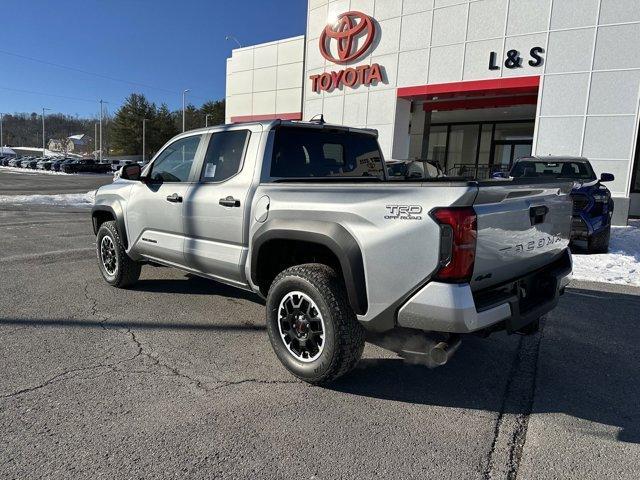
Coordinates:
x,y
176,379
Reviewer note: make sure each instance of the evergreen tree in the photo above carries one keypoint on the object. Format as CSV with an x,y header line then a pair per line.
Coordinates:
x,y
126,129
215,110
160,130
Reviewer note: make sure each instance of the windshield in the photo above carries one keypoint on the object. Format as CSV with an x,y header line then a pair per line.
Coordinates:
x,y
575,170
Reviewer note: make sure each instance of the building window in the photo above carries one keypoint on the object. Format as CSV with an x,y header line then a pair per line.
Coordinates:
x,y
478,149
437,145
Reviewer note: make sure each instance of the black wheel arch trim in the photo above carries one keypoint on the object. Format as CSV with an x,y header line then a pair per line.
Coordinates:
x,y
117,213
328,234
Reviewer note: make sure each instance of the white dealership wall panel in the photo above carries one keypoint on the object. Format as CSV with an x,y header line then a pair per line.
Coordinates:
x,y
590,86
265,81
589,94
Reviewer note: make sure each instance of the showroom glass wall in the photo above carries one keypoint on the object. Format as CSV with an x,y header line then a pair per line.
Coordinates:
x,y
478,149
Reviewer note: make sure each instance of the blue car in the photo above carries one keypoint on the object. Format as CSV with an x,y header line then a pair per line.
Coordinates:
x,y
592,202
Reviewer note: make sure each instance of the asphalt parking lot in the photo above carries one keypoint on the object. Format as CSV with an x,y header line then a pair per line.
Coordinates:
x,y
176,378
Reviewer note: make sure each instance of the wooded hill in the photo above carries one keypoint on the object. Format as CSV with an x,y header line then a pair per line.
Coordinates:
x,y
122,133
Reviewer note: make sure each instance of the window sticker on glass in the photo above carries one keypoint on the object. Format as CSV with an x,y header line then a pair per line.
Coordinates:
x,y
210,171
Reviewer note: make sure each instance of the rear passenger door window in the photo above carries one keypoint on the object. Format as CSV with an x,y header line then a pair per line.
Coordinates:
x,y
225,155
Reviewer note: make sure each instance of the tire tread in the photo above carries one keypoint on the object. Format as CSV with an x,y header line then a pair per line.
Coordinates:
x,y
128,270
350,333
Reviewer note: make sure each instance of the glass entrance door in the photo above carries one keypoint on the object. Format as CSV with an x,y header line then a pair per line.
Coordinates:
x,y
506,151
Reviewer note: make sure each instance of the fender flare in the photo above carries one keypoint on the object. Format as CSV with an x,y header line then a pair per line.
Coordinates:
x,y
328,234
115,210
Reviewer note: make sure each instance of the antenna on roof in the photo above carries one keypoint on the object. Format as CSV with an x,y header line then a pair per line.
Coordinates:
x,y
318,120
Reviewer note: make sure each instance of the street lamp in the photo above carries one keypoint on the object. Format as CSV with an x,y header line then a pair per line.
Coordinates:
x,y
231,37
1,140
144,138
184,106
43,145
206,119
101,102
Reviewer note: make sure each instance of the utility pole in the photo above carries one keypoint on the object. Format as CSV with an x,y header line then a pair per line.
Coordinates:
x,y
1,138
144,138
95,141
43,144
206,119
101,102
184,106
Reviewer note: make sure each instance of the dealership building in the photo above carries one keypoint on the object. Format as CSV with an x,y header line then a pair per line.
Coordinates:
x,y
469,84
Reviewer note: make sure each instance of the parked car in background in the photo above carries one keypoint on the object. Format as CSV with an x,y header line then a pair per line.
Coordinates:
x,y
592,202
118,164
45,163
85,165
55,165
415,169
31,163
14,162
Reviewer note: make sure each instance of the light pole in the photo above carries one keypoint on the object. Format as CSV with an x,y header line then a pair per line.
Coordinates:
x,y
231,37
206,119
43,145
101,102
184,106
95,141
1,138
144,138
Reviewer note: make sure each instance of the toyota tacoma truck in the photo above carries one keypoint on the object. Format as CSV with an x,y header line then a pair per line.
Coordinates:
x,y
304,215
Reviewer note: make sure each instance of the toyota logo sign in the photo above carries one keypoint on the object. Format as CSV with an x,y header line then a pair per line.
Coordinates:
x,y
346,32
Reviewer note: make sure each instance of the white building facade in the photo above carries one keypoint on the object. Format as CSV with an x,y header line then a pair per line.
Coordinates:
x,y
470,84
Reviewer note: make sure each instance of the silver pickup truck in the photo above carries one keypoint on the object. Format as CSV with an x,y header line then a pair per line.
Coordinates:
x,y
305,215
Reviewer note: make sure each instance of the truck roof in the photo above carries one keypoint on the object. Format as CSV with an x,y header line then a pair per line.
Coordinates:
x,y
269,124
552,159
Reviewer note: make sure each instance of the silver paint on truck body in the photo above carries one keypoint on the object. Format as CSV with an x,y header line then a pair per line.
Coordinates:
x,y
399,246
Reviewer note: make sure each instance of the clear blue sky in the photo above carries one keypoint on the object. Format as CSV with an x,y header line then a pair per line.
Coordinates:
x,y
169,44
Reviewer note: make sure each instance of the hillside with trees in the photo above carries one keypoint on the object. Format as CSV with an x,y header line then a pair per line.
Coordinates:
x,y
122,133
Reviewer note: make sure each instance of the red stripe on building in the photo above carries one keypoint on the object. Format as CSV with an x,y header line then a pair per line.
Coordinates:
x,y
275,116
497,86
479,102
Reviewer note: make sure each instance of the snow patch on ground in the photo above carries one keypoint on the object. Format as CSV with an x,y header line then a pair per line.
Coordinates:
x,y
62,199
28,171
621,265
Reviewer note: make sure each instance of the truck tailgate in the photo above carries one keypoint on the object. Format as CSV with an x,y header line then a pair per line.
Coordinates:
x,y
521,228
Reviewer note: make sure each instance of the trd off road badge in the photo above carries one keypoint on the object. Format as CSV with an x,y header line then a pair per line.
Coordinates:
x,y
403,212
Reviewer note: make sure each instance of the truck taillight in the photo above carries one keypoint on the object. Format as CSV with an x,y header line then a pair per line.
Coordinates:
x,y
458,232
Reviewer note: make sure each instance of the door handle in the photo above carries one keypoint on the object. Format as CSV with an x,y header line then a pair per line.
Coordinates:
x,y
229,202
537,214
175,198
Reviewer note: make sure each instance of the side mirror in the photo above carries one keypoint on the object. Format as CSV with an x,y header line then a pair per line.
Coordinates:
x,y
607,177
131,172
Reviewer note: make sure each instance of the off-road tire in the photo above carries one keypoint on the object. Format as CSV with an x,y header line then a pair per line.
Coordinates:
x,y
127,271
344,336
599,243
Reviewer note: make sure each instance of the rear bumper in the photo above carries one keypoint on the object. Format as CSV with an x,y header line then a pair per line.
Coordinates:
x,y
454,308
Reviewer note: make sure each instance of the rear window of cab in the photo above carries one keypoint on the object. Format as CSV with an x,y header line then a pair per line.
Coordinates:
x,y
323,152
